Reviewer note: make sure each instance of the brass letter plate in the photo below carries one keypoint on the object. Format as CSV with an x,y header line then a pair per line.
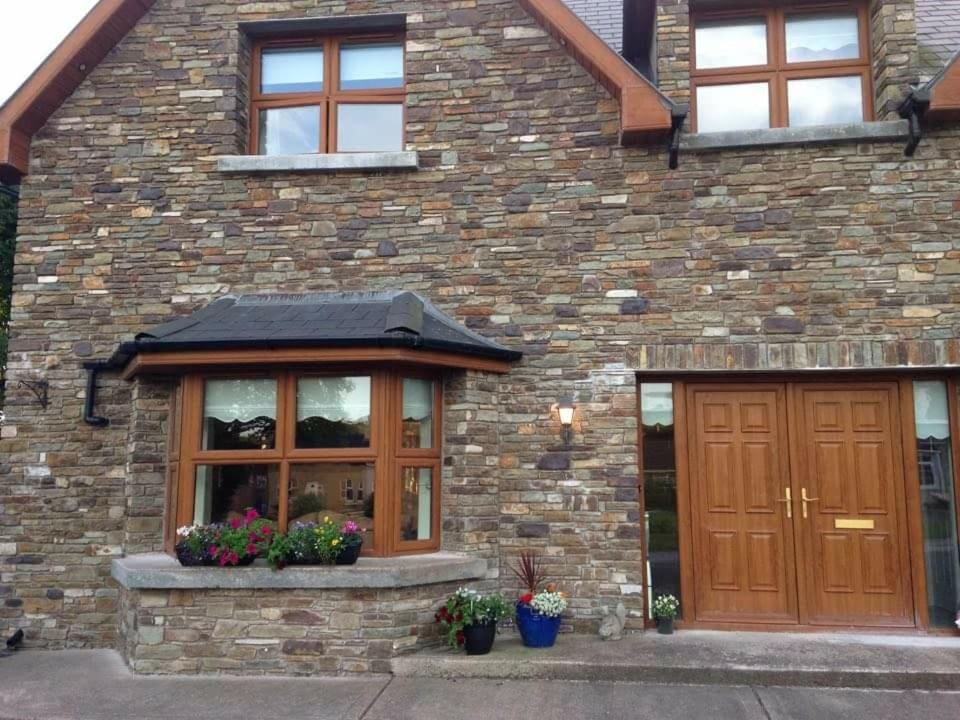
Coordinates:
x,y
853,524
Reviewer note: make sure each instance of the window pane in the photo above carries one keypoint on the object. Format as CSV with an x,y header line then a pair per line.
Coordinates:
x,y
731,43
825,101
239,415
226,492
937,501
733,107
371,66
813,38
417,413
289,70
290,131
339,491
333,412
660,491
369,128
416,501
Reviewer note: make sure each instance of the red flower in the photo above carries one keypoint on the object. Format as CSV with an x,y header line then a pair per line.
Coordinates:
x,y
460,638
251,549
526,599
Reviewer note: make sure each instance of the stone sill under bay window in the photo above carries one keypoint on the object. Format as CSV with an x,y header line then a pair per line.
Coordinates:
x,y
322,163
157,571
882,131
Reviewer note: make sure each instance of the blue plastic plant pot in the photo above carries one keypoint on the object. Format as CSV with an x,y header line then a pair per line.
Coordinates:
x,y
536,630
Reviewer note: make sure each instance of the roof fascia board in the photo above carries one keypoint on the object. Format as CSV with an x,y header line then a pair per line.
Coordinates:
x,y
644,111
944,91
58,77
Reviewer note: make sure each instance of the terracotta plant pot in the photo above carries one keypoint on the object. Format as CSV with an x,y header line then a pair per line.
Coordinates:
x,y
478,639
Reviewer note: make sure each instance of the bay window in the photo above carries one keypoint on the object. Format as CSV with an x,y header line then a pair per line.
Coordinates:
x,y
328,95
781,67
303,446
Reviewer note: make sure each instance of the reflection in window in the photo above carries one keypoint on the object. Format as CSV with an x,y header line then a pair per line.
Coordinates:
x,y
660,490
291,70
733,107
333,412
239,415
825,101
818,38
226,492
727,43
417,413
340,491
365,67
290,131
937,501
416,503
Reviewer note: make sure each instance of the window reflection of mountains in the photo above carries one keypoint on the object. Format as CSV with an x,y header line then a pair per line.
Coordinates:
x,y
319,432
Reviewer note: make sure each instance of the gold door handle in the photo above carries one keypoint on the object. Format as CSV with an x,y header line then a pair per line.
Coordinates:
x,y
806,499
789,501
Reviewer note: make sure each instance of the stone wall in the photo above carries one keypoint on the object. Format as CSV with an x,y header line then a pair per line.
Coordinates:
x,y
526,222
275,632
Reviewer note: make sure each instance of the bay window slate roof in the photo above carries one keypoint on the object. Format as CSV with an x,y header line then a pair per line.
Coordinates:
x,y
938,33
372,319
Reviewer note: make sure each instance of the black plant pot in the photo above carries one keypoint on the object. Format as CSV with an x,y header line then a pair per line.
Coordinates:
x,y
349,555
478,639
665,626
187,558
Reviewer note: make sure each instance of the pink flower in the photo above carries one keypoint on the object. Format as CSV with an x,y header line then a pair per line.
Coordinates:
x,y
350,528
236,523
266,530
251,515
251,549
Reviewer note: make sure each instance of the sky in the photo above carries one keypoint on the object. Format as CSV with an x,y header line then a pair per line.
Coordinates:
x,y
31,30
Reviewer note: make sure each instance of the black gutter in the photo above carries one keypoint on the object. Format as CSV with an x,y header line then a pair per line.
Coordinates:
x,y
9,191
93,370
912,110
678,115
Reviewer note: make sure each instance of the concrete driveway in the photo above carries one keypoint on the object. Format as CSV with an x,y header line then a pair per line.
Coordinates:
x,y
95,685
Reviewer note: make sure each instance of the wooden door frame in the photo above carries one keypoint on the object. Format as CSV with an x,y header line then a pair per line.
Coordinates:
x,y
904,380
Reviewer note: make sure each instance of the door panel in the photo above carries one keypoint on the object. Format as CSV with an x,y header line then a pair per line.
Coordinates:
x,y
743,544
852,544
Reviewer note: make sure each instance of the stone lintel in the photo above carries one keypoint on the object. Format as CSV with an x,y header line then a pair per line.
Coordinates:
x,y
330,162
157,571
891,130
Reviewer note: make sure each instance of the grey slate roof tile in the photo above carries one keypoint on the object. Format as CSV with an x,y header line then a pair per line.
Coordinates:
x,y
390,318
938,34
604,17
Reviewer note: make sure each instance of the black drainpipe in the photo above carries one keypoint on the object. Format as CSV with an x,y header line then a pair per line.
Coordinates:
x,y
93,369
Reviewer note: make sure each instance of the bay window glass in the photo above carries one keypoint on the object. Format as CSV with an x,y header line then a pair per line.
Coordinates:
x,y
327,95
239,414
771,67
301,446
660,490
417,413
225,492
938,501
333,412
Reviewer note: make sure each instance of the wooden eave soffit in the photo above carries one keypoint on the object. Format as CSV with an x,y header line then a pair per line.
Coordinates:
x,y
945,93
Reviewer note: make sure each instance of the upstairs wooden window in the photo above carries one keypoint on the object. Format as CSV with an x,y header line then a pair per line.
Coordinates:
x,y
781,67
328,95
357,444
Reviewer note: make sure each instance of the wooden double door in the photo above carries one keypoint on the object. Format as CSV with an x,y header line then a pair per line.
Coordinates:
x,y
797,500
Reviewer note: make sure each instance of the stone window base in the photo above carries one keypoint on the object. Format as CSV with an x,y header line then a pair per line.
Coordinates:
x,y
302,621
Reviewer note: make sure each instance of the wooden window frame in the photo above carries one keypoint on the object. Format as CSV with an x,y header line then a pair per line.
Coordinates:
x,y
777,72
385,452
331,97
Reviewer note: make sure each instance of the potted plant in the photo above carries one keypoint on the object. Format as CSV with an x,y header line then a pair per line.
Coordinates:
x,y
351,541
308,544
469,619
665,610
538,612
225,544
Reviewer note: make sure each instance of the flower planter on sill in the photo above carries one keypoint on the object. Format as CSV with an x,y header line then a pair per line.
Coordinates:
x,y
349,555
188,559
536,630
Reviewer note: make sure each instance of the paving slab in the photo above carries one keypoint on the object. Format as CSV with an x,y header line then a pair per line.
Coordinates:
x,y
723,658
96,685
809,704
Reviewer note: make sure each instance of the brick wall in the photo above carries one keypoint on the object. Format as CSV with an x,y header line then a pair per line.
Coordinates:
x,y
526,222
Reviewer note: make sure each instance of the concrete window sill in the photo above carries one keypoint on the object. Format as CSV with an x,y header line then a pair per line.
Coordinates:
x,y
157,571
891,130
332,162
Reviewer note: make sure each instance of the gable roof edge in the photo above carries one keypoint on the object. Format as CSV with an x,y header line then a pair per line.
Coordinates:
x,y
59,76
645,112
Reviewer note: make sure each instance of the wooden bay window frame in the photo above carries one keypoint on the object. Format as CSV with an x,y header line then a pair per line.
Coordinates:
x,y
385,451
777,72
331,97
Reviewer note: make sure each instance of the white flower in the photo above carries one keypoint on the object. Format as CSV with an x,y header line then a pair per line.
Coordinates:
x,y
186,530
551,604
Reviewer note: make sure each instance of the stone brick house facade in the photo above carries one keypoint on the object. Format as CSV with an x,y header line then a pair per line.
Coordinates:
x,y
773,275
